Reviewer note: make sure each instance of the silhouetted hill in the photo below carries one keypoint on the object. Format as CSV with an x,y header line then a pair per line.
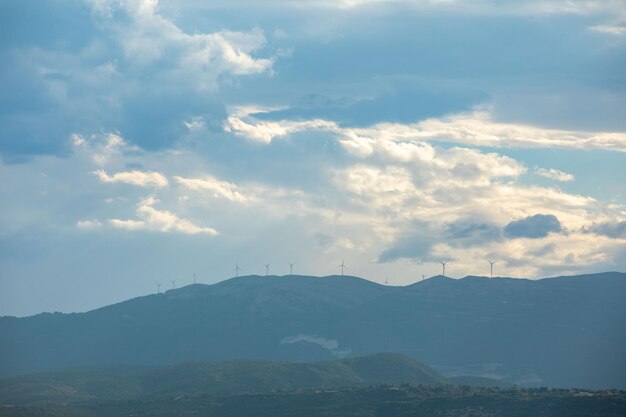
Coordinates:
x,y
222,378
564,331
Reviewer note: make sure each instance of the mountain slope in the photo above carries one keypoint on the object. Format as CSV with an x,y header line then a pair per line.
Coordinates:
x,y
565,331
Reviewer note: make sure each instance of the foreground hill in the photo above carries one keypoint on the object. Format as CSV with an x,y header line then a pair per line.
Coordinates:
x,y
223,378
566,331
382,401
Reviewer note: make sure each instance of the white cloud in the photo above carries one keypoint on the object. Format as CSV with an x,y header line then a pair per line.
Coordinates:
x,y
264,131
160,220
88,224
479,129
200,58
103,148
554,174
476,129
140,178
611,29
329,344
217,188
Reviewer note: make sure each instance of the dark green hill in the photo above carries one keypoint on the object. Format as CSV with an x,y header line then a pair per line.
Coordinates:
x,y
379,401
565,331
223,378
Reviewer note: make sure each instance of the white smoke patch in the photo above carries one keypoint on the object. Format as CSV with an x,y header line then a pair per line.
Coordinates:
x,y
329,344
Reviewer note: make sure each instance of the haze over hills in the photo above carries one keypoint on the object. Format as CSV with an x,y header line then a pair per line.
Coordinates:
x,y
565,331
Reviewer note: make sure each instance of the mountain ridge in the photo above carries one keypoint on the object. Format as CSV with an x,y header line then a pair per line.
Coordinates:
x,y
561,331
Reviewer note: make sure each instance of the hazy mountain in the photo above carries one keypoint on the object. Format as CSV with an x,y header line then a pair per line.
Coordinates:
x,y
565,331
217,378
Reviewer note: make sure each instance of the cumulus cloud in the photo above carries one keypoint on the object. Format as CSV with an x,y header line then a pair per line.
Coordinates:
x,y
533,227
126,68
396,177
160,220
554,174
148,38
140,178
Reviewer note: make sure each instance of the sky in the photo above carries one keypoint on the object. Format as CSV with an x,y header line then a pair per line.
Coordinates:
x,y
145,141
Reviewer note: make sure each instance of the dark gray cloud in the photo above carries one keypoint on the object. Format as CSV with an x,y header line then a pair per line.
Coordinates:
x,y
418,243
613,230
468,233
534,227
415,245
135,73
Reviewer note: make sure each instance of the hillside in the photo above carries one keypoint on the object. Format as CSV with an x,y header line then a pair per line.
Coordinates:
x,y
565,331
223,378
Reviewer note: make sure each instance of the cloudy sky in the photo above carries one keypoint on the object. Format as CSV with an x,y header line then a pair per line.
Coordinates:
x,y
144,141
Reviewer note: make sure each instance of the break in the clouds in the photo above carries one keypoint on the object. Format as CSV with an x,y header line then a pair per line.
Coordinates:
x,y
145,140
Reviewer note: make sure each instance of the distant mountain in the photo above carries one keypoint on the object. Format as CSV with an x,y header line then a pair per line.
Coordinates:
x,y
565,331
222,378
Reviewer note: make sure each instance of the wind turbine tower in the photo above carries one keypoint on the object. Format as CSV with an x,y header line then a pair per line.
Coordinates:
x,y
267,269
173,281
291,264
423,276
194,277
443,264
158,287
237,269
386,281
342,266
491,266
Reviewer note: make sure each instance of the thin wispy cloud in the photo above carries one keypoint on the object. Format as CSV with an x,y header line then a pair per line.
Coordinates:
x,y
140,178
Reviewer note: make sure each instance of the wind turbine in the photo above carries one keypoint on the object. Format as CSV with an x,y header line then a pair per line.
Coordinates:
x,y
386,281
491,266
173,281
342,266
443,264
291,264
158,287
237,269
194,277
423,276
267,269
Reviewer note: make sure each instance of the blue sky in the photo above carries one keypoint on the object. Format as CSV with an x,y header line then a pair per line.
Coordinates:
x,y
144,141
